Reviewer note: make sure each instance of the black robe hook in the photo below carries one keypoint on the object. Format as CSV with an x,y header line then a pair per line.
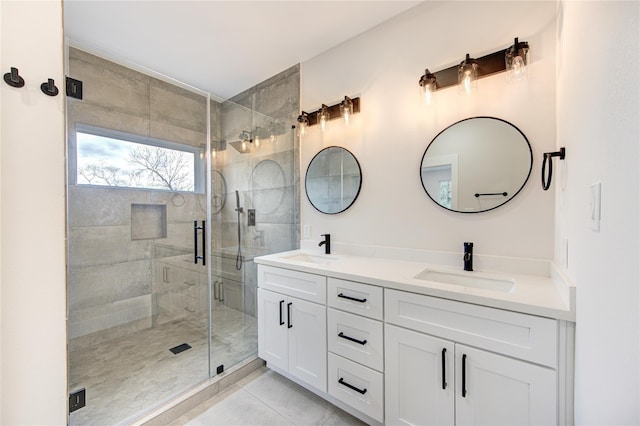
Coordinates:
x,y
13,78
546,183
49,88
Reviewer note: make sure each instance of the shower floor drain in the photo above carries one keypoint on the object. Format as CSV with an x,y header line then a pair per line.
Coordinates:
x,y
180,348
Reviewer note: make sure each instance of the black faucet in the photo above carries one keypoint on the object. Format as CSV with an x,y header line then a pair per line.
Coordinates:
x,y
468,256
326,243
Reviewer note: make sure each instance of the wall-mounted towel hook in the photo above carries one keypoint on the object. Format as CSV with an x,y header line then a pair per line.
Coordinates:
x,y
546,183
49,88
13,78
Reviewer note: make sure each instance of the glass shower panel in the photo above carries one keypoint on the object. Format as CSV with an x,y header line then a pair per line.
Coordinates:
x,y
138,293
253,174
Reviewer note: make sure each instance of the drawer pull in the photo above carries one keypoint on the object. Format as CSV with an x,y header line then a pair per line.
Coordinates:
x,y
289,325
360,342
464,375
343,383
352,298
444,368
281,319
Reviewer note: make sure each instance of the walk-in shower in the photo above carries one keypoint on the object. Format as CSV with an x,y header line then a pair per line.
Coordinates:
x,y
161,280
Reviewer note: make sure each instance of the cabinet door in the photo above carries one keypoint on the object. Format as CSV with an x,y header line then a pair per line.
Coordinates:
x,y
496,390
272,328
307,324
419,387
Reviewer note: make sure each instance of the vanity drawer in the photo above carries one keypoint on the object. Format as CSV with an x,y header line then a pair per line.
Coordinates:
x,y
293,283
358,298
358,386
357,338
523,336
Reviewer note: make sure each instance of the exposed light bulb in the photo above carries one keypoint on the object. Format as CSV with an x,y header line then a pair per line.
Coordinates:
x,y
467,75
256,141
272,138
427,94
244,145
214,153
303,122
346,108
323,122
518,69
323,116
427,83
467,82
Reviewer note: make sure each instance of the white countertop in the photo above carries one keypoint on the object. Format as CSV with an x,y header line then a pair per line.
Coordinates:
x,y
545,294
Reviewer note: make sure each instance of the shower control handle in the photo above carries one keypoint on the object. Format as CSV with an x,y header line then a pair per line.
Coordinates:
x,y
196,228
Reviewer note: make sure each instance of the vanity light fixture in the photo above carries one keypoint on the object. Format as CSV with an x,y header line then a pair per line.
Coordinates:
x,y
427,84
344,109
303,123
512,59
516,59
323,116
467,75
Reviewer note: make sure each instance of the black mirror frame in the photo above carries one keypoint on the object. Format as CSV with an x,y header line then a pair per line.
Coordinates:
x,y
307,174
492,208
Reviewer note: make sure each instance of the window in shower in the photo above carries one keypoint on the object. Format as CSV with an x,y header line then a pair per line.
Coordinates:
x,y
116,159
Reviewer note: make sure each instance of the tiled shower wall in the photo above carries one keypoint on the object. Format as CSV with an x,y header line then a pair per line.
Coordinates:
x,y
111,277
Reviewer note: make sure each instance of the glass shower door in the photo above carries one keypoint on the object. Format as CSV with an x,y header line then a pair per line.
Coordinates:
x,y
253,178
138,302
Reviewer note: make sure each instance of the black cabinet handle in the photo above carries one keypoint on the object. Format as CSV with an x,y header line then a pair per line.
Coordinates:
x,y
289,325
281,319
352,298
464,375
343,383
360,342
444,368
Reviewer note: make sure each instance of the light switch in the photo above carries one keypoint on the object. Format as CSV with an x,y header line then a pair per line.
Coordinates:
x,y
596,189
306,231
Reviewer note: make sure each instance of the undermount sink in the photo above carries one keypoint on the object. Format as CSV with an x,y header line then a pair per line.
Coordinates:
x,y
467,280
312,258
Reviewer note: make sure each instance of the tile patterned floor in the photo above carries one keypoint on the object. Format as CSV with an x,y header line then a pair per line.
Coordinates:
x,y
266,398
128,375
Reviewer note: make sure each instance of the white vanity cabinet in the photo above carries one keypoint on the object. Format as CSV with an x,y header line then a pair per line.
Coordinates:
x,y
437,378
391,356
292,330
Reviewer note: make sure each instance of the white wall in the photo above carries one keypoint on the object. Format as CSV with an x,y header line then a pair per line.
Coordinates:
x,y
598,122
389,136
32,247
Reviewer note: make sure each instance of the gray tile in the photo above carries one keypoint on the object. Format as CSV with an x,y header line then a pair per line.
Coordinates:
x,y
238,407
112,89
172,105
129,374
342,418
289,399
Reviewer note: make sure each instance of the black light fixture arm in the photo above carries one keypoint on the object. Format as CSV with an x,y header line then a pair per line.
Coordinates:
x,y
548,158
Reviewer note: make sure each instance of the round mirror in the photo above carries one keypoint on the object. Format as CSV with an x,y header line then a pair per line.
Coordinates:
x,y
333,180
476,165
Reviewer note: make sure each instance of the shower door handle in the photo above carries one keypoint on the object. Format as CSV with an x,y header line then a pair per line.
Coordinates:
x,y
196,228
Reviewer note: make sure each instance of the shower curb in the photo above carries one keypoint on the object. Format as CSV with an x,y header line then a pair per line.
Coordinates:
x,y
190,399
